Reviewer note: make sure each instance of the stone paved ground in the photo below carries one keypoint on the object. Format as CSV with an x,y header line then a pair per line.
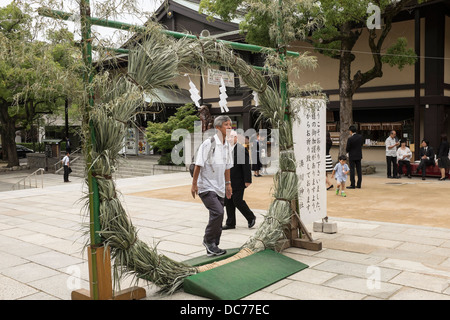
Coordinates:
x,y
41,242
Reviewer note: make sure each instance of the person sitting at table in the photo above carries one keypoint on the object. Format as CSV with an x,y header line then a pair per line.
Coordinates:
x,y
426,158
403,158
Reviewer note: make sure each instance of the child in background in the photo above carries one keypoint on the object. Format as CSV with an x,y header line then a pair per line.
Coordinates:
x,y
341,171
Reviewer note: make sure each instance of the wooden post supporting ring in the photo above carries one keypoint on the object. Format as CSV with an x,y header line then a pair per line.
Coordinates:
x,y
104,279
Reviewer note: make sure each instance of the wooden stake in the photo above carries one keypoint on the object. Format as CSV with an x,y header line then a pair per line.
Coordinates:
x,y
299,235
104,285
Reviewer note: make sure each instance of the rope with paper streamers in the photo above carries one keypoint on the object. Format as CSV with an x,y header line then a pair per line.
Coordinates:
x,y
195,93
223,97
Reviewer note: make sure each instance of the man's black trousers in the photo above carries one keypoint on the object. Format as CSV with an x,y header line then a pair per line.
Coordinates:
x,y
237,201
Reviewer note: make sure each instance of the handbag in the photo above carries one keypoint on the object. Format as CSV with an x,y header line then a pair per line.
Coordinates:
x,y
70,170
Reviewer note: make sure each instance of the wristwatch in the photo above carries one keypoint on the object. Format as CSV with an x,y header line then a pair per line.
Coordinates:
x,y
227,182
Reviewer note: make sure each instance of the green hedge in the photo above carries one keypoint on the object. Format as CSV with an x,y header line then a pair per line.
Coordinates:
x,y
36,146
40,146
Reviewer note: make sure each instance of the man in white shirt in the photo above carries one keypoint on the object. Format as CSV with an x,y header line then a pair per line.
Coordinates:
x,y
391,154
211,181
66,162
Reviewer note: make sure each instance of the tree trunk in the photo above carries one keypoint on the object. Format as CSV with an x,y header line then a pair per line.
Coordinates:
x,y
8,137
346,120
345,87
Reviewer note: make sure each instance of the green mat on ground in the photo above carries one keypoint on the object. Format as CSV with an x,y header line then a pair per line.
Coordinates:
x,y
242,277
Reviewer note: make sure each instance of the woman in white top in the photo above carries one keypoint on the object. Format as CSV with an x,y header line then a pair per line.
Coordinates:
x,y
403,158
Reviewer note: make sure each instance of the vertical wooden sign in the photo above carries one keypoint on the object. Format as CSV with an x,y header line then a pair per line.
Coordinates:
x,y
309,133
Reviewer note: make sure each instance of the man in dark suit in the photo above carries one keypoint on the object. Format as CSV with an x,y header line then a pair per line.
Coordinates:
x,y
241,178
354,150
426,158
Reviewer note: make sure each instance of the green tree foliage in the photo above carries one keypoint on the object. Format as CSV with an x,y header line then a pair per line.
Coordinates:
x,y
332,27
35,76
399,55
159,134
226,9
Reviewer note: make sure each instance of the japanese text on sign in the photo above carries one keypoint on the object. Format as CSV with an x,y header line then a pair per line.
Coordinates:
x,y
309,146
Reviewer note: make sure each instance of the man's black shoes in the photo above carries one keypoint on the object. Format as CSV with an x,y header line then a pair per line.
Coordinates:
x,y
226,227
252,223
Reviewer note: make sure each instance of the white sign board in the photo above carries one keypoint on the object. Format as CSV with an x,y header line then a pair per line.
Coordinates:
x,y
309,134
215,75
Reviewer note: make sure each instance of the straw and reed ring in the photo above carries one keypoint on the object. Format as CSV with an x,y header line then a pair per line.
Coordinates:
x,y
154,63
